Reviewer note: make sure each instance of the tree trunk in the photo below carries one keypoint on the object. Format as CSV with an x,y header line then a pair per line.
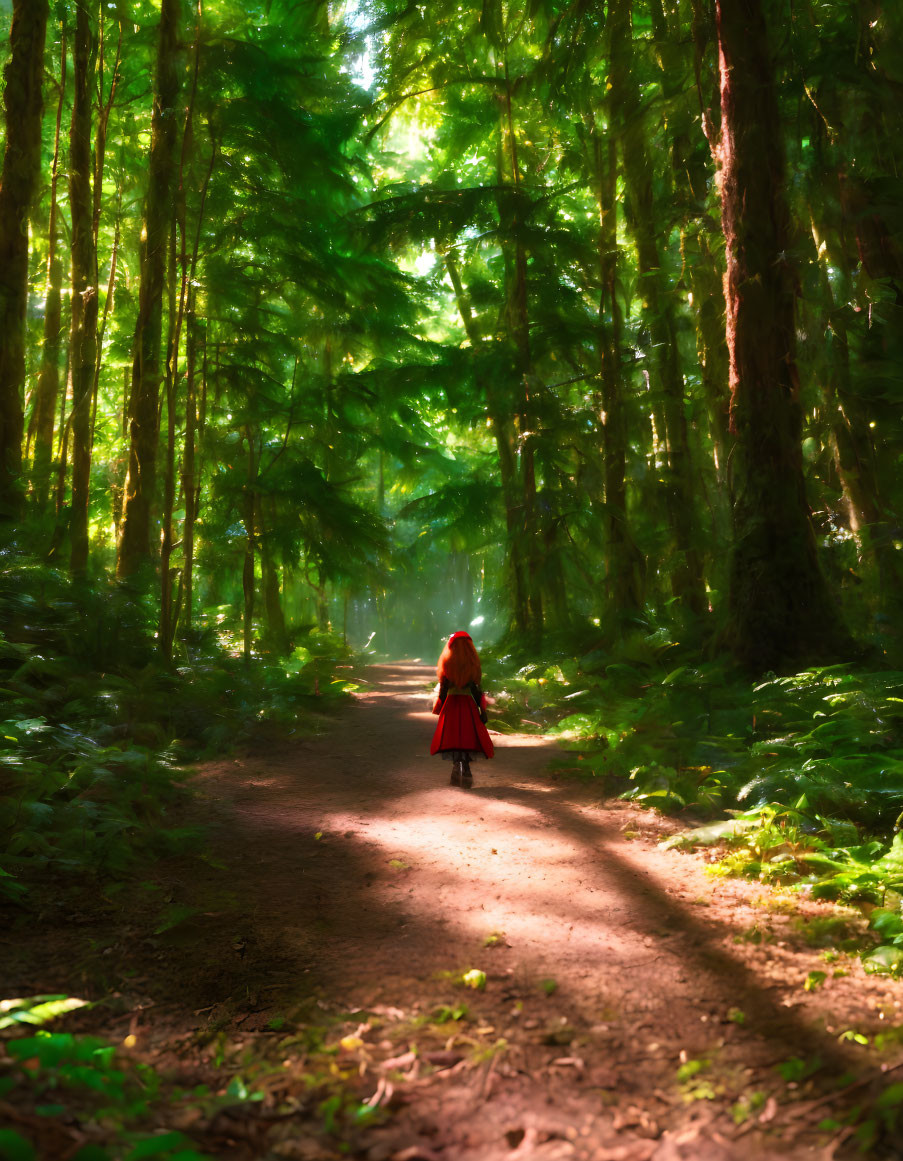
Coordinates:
x,y
23,102
687,581
49,376
624,565
276,636
169,613
187,307
107,310
135,542
248,507
854,454
103,120
83,332
705,281
781,611
100,147
189,484
702,265
517,320
166,630
62,452
499,417
247,576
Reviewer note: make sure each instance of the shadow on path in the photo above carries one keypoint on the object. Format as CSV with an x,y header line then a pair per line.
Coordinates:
x,y
358,871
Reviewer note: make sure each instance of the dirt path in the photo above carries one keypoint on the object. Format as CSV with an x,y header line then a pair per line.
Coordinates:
x,y
631,1001
634,1008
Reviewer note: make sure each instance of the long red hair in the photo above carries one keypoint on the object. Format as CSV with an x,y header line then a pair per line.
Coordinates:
x,y
459,663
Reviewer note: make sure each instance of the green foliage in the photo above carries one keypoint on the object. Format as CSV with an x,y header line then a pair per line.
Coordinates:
x,y
36,1010
474,978
96,730
809,767
62,1075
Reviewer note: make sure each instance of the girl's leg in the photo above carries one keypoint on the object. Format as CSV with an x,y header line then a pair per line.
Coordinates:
x,y
466,776
456,768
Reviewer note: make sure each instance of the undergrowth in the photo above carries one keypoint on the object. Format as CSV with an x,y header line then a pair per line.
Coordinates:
x,y
804,772
98,1091
96,731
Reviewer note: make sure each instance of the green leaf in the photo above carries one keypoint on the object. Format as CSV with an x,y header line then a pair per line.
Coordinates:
x,y
884,960
14,1147
169,1145
37,1009
713,832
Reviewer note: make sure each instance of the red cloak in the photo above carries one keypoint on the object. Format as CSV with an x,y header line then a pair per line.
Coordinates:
x,y
459,726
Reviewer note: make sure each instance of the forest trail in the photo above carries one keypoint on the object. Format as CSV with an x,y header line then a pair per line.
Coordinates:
x,y
634,1009
612,965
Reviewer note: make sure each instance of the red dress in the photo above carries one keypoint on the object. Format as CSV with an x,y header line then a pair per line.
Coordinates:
x,y
459,726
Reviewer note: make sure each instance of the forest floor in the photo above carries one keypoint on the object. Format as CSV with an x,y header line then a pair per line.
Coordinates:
x,y
634,1008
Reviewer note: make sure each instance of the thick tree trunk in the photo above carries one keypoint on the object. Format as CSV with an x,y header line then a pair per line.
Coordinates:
x,y
49,376
83,333
781,611
23,102
135,542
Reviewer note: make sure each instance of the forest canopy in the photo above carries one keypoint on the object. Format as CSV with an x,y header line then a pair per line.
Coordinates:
x,y
559,321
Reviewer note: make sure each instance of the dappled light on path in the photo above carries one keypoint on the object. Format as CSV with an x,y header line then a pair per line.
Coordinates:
x,y
608,962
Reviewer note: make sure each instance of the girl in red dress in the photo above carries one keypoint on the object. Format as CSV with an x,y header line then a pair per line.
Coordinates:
x,y
461,733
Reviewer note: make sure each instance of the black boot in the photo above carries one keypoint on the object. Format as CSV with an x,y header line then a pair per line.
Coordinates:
x,y
466,776
456,773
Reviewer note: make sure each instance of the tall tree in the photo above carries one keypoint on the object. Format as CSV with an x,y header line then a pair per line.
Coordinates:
x,y
23,104
687,582
49,375
624,566
780,608
85,302
135,540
